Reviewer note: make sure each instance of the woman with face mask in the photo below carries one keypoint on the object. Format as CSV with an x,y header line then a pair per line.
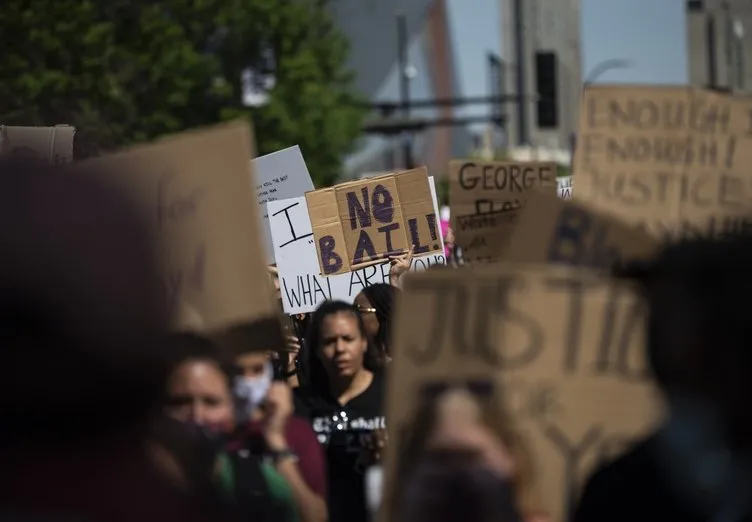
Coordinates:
x,y
271,431
199,400
343,396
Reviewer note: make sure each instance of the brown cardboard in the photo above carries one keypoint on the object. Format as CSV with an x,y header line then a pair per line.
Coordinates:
x,y
559,231
194,190
53,145
674,160
485,198
562,349
363,222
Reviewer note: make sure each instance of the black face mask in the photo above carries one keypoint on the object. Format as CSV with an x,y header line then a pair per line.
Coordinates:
x,y
195,447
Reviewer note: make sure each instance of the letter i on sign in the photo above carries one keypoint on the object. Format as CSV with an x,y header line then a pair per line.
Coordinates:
x,y
415,236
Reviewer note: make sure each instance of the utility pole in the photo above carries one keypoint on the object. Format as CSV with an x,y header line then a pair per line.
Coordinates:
x,y
402,59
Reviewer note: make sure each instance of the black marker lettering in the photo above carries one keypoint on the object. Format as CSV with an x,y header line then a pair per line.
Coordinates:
x,y
572,455
295,237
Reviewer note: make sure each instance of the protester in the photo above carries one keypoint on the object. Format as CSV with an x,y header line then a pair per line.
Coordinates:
x,y
374,304
82,323
697,466
464,472
271,430
344,399
199,394
448,235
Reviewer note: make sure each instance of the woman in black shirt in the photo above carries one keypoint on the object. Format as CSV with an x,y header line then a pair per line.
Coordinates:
x,y
343,398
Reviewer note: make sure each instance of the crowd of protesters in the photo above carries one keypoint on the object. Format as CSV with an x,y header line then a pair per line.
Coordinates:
x,y
107,416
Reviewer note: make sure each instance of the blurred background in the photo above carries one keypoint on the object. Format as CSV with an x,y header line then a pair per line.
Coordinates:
x,y
363,86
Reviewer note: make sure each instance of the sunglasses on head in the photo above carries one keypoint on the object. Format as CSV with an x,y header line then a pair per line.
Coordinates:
x,y
364,309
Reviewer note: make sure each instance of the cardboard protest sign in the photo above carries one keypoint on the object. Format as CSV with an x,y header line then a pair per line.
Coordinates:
x,y
564,187
672,159
485,199
302,286
360,223
552,230
557,350
52,145
206,233
279,175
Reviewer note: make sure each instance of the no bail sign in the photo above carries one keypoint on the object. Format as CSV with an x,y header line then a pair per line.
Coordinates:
x,y
359,223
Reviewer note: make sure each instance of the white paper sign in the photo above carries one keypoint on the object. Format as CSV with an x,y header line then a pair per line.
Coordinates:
x,y
565,187
279,175
302,287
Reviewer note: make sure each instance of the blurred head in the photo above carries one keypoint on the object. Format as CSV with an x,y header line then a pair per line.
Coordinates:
x,y
699,336
198,388
81,311
453,486
340,344
374,303
467,419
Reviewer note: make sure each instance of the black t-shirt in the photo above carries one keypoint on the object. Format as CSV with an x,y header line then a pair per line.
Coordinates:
x,y
343,430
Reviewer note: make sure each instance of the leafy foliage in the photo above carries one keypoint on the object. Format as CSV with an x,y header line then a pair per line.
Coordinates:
x,y
125,71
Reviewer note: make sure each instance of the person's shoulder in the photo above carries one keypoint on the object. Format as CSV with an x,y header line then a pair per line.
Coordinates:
x,y
307,402
619,484
379,380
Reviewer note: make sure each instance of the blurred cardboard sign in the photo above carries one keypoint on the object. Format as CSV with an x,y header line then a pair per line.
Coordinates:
x,y
361,223
485,198
674,160
51,145
206,227
553,230
557,350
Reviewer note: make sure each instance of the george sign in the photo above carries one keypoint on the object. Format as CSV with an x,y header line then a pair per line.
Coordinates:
x,y
206,233
485,199
302,286
279,175
564,187
552,230
674,160
364,222
556,350
52,145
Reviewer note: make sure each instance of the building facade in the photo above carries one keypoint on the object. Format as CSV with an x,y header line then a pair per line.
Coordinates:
x,y
542,60
719,44
371,26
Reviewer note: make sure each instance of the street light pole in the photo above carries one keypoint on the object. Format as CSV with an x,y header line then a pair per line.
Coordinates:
x,y
603,67
404,77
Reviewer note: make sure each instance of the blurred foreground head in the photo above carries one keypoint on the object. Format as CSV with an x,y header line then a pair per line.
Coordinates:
x,y
81,315
699,335
464,471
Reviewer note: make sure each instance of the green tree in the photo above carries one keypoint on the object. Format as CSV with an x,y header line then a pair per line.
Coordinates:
x,y
126,71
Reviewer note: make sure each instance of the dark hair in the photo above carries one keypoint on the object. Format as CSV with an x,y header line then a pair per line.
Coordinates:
x,y
188,346
315,375
381,296
694,290
453,486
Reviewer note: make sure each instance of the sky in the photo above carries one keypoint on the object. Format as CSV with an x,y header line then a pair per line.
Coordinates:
x,y
650,34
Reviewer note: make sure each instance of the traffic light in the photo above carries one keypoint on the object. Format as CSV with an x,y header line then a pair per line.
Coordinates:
x,y
546,83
